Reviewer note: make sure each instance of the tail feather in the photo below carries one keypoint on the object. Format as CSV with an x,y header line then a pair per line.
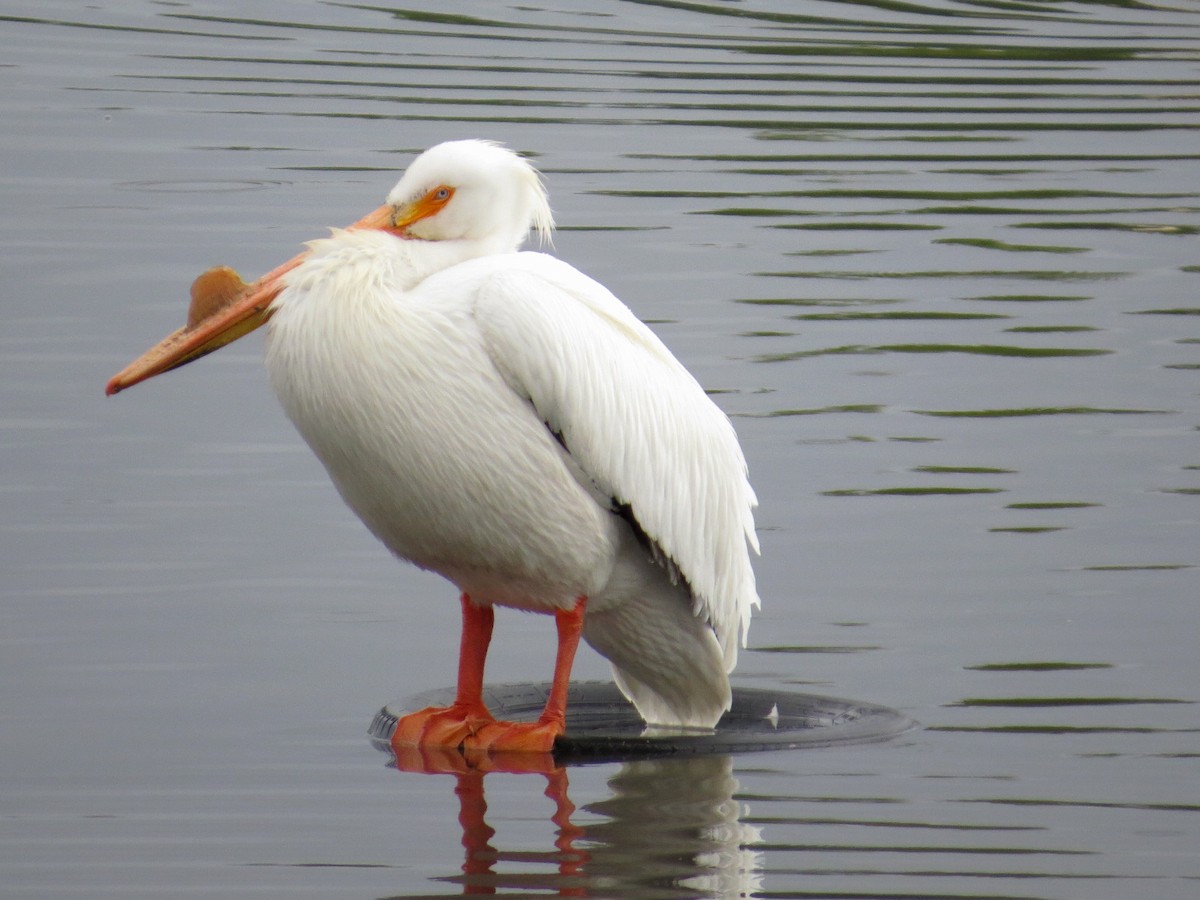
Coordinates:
x,y
665,659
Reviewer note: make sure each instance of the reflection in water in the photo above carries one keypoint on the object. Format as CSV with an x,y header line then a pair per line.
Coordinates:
x,y
676,822
670,828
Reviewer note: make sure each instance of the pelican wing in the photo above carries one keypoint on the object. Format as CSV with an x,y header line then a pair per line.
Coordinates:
x,y
637,423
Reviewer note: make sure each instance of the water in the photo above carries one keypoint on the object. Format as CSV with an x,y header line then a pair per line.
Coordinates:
x,y
938,261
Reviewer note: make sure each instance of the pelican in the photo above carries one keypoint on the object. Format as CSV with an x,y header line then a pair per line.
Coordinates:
x,y
503,420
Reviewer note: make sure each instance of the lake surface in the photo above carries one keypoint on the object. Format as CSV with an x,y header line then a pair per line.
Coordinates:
x,y
937,260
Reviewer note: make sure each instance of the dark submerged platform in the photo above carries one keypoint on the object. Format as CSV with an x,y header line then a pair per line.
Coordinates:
x,y
602,726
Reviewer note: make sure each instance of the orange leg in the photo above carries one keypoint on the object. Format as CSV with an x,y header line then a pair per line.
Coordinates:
x,y
476,834
449,726
539,736
571,860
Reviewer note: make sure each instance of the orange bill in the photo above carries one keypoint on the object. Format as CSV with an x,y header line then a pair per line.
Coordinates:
x,y
224,308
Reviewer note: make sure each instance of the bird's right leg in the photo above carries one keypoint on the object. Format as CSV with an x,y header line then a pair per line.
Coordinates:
x,y
451,725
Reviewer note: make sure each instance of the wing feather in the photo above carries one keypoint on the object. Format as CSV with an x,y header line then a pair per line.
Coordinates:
x,y
637,423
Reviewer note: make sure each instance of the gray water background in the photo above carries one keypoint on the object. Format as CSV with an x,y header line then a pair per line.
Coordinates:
x,y
939,262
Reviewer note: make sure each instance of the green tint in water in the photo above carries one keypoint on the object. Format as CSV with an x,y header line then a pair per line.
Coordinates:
x,y
1039,411
1010,248
972,349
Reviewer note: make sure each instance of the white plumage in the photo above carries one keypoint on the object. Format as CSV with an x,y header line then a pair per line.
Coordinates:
x,y
502,419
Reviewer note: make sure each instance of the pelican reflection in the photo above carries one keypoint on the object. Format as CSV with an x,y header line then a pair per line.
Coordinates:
x,y
668,828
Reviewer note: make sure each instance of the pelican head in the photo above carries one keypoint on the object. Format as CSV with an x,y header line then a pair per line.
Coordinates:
x,y
472,190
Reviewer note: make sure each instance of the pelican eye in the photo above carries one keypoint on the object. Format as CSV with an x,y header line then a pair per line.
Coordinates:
x,y
442,194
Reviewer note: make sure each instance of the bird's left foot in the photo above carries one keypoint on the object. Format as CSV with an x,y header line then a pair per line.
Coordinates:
x,y
445,728
517,737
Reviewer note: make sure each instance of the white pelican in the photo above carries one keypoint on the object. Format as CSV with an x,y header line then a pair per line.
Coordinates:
x,y
500,418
